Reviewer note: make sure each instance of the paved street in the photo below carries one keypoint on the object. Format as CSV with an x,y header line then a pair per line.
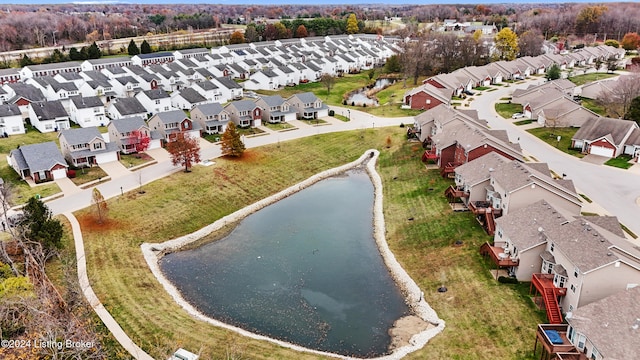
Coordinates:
x,y
615,190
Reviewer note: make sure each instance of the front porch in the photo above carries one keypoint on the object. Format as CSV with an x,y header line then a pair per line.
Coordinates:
x,y
553,338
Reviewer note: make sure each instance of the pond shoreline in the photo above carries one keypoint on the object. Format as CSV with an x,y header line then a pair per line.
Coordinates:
x,y
428,323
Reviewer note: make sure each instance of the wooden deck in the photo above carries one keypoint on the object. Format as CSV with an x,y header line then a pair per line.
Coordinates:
x,y
497,255
458,207
547,345
543,284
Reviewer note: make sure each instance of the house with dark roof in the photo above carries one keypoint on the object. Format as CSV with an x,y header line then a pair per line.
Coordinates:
x,y
10,75
244,113
209,90
604,136
308,106
125,86
51,69
213,118
169,123
154,101
229,89
154,58
275,109
265,79
85,147
11,122
22,95
127,132
48,116
125,107
87,111
38,162
106,62
186,99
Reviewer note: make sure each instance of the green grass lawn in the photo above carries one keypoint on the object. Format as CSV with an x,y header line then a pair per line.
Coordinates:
x,y
485,319
85,175
621,162
250,131
278,126
550,136
507,109
591,77
594,106
131,160
523,122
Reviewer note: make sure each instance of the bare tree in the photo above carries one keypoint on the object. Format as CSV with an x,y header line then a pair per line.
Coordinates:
x,y
328,81
623,91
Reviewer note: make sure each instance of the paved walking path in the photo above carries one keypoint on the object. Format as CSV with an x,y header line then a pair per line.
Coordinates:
x,y
93,300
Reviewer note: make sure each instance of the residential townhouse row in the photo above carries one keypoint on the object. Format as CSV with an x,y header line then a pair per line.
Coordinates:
x,y
574,262
86,146
192,77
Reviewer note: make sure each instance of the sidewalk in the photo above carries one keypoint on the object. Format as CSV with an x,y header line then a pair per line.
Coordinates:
x,y
108,320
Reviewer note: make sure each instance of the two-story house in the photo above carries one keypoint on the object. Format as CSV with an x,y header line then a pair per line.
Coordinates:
x,y
244,113
11,122
212,117
48,116
308,106
275,109
186,99
85,147
87,111
127,133
154,101
169,123
125,107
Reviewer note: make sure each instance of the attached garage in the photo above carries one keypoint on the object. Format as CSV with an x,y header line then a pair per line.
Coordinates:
x,y
106,157
59,173
602,148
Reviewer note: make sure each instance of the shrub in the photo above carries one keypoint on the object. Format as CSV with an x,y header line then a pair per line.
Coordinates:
x,y
401,125
71,173
507,280
331,112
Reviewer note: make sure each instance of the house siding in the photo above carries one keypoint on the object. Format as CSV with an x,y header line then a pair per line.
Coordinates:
x,y
422,100
603,282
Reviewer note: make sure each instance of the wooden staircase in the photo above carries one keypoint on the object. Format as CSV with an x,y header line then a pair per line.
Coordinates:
x,y
551,304
490,223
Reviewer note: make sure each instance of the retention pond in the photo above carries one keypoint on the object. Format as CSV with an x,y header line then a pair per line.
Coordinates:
x,y
305,270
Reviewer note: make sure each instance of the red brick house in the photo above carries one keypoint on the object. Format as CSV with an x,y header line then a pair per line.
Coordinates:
x,y
426,97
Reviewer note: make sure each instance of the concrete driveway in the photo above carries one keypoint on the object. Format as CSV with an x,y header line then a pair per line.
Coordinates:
x,y
615,190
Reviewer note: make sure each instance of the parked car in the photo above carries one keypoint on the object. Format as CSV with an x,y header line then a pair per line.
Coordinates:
x,y
517,116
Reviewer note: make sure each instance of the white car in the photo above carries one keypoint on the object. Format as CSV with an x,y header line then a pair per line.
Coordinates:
x,y
517,116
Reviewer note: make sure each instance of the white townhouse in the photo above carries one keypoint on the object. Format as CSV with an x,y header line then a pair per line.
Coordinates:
x,y
11,122
48,116
154,101
87,111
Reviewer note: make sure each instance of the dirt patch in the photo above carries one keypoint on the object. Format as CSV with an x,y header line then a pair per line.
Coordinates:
x,y
248,156
404,328
91,222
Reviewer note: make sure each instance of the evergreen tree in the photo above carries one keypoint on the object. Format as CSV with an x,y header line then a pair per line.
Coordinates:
x,y
133,48
145,48
40,226
231,142
25,61
553,73
94,51
74,54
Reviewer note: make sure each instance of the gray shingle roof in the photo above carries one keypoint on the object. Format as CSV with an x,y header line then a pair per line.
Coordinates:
x,y
80,135
128,124
273,100
611,324
210,109
85,102
9,110
243,105
192,96
155,94
228,83
170,117
129,106
27,91
49,110
38,157
601,127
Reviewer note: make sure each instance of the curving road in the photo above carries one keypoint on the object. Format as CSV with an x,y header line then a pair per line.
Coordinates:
x,y
615,190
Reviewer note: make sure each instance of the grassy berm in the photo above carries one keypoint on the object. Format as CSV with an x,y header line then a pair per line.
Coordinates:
x,y
485,320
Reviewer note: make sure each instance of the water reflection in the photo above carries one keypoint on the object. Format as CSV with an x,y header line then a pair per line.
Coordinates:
x,y
304,270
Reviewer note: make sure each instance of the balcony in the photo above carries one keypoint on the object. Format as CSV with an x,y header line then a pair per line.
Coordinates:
x,y
553,338
430,155
498,255
545,281
449,170
455,192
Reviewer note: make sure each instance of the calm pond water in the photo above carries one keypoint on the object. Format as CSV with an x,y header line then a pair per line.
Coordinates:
x,y
360,97
305,270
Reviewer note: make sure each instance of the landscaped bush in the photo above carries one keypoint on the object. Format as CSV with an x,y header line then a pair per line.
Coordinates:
x,y
71,173
507,280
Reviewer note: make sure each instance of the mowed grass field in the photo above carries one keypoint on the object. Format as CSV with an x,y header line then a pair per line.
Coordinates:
x,y
485,319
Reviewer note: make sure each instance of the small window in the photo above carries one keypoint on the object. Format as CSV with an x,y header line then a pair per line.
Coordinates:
x,y
551,247
575,272
573,288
